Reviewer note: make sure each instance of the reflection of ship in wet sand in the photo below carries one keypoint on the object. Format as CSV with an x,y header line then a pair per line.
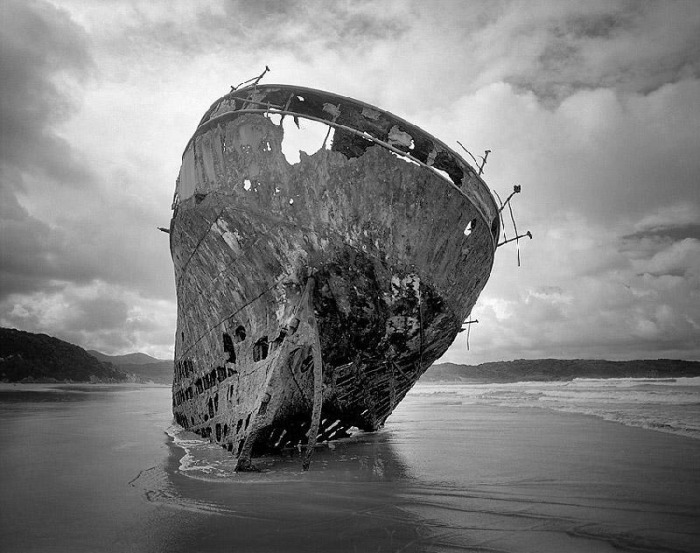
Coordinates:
x,y
311,297
210,507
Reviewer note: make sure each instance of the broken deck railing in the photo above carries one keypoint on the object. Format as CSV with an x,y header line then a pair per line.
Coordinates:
x,y
357,127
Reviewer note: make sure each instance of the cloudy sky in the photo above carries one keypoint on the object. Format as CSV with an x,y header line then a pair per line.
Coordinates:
x,y
592,107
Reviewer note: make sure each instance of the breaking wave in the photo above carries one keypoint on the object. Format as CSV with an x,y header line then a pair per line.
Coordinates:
x,y
663,404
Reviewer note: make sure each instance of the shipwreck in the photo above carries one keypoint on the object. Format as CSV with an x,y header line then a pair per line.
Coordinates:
x,y
312,296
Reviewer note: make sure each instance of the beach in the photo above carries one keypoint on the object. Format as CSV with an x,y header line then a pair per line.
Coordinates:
x,y
102,468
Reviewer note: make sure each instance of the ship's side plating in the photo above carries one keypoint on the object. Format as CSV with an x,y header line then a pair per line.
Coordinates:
x,y
353,255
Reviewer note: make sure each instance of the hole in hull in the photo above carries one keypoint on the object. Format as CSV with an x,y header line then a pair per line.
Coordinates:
x,y
308,138
228,348
470,227
260,349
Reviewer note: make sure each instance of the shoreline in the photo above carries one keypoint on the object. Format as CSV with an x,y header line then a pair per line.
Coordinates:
x,y
442,475
48,386
454,476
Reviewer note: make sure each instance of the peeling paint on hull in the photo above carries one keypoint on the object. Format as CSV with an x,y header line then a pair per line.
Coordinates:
x,y
394,272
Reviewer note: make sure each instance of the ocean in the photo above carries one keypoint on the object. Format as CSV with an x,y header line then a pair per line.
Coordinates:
x,y
664,404
588,465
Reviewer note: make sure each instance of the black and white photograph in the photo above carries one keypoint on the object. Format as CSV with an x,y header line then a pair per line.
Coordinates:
x,y
349,276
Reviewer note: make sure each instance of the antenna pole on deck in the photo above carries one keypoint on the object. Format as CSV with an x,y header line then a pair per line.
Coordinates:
x,y
254,80
476,161
484,158
528,234
516,190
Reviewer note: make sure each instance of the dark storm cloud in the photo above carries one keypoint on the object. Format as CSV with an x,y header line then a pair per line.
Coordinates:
x,y
35,256
38,44
296,23
93,232
297,26
667,232
25,252
633,47
242,28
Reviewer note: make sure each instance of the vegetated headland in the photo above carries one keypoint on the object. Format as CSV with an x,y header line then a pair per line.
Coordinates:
x,y
545,370
27,357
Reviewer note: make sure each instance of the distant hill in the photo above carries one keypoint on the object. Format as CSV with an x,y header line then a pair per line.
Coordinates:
x,y
160,372
560,369
147,368
28,357
128,359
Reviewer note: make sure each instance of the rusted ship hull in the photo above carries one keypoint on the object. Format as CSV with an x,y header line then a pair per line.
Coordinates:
x,y
311,297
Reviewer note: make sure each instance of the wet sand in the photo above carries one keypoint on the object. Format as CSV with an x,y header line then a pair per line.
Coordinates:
x,y
98,473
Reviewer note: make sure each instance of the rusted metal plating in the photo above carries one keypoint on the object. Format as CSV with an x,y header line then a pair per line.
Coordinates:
x,y
352,263
358,125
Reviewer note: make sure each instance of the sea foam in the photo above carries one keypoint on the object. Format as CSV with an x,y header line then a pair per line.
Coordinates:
x,y
663,404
